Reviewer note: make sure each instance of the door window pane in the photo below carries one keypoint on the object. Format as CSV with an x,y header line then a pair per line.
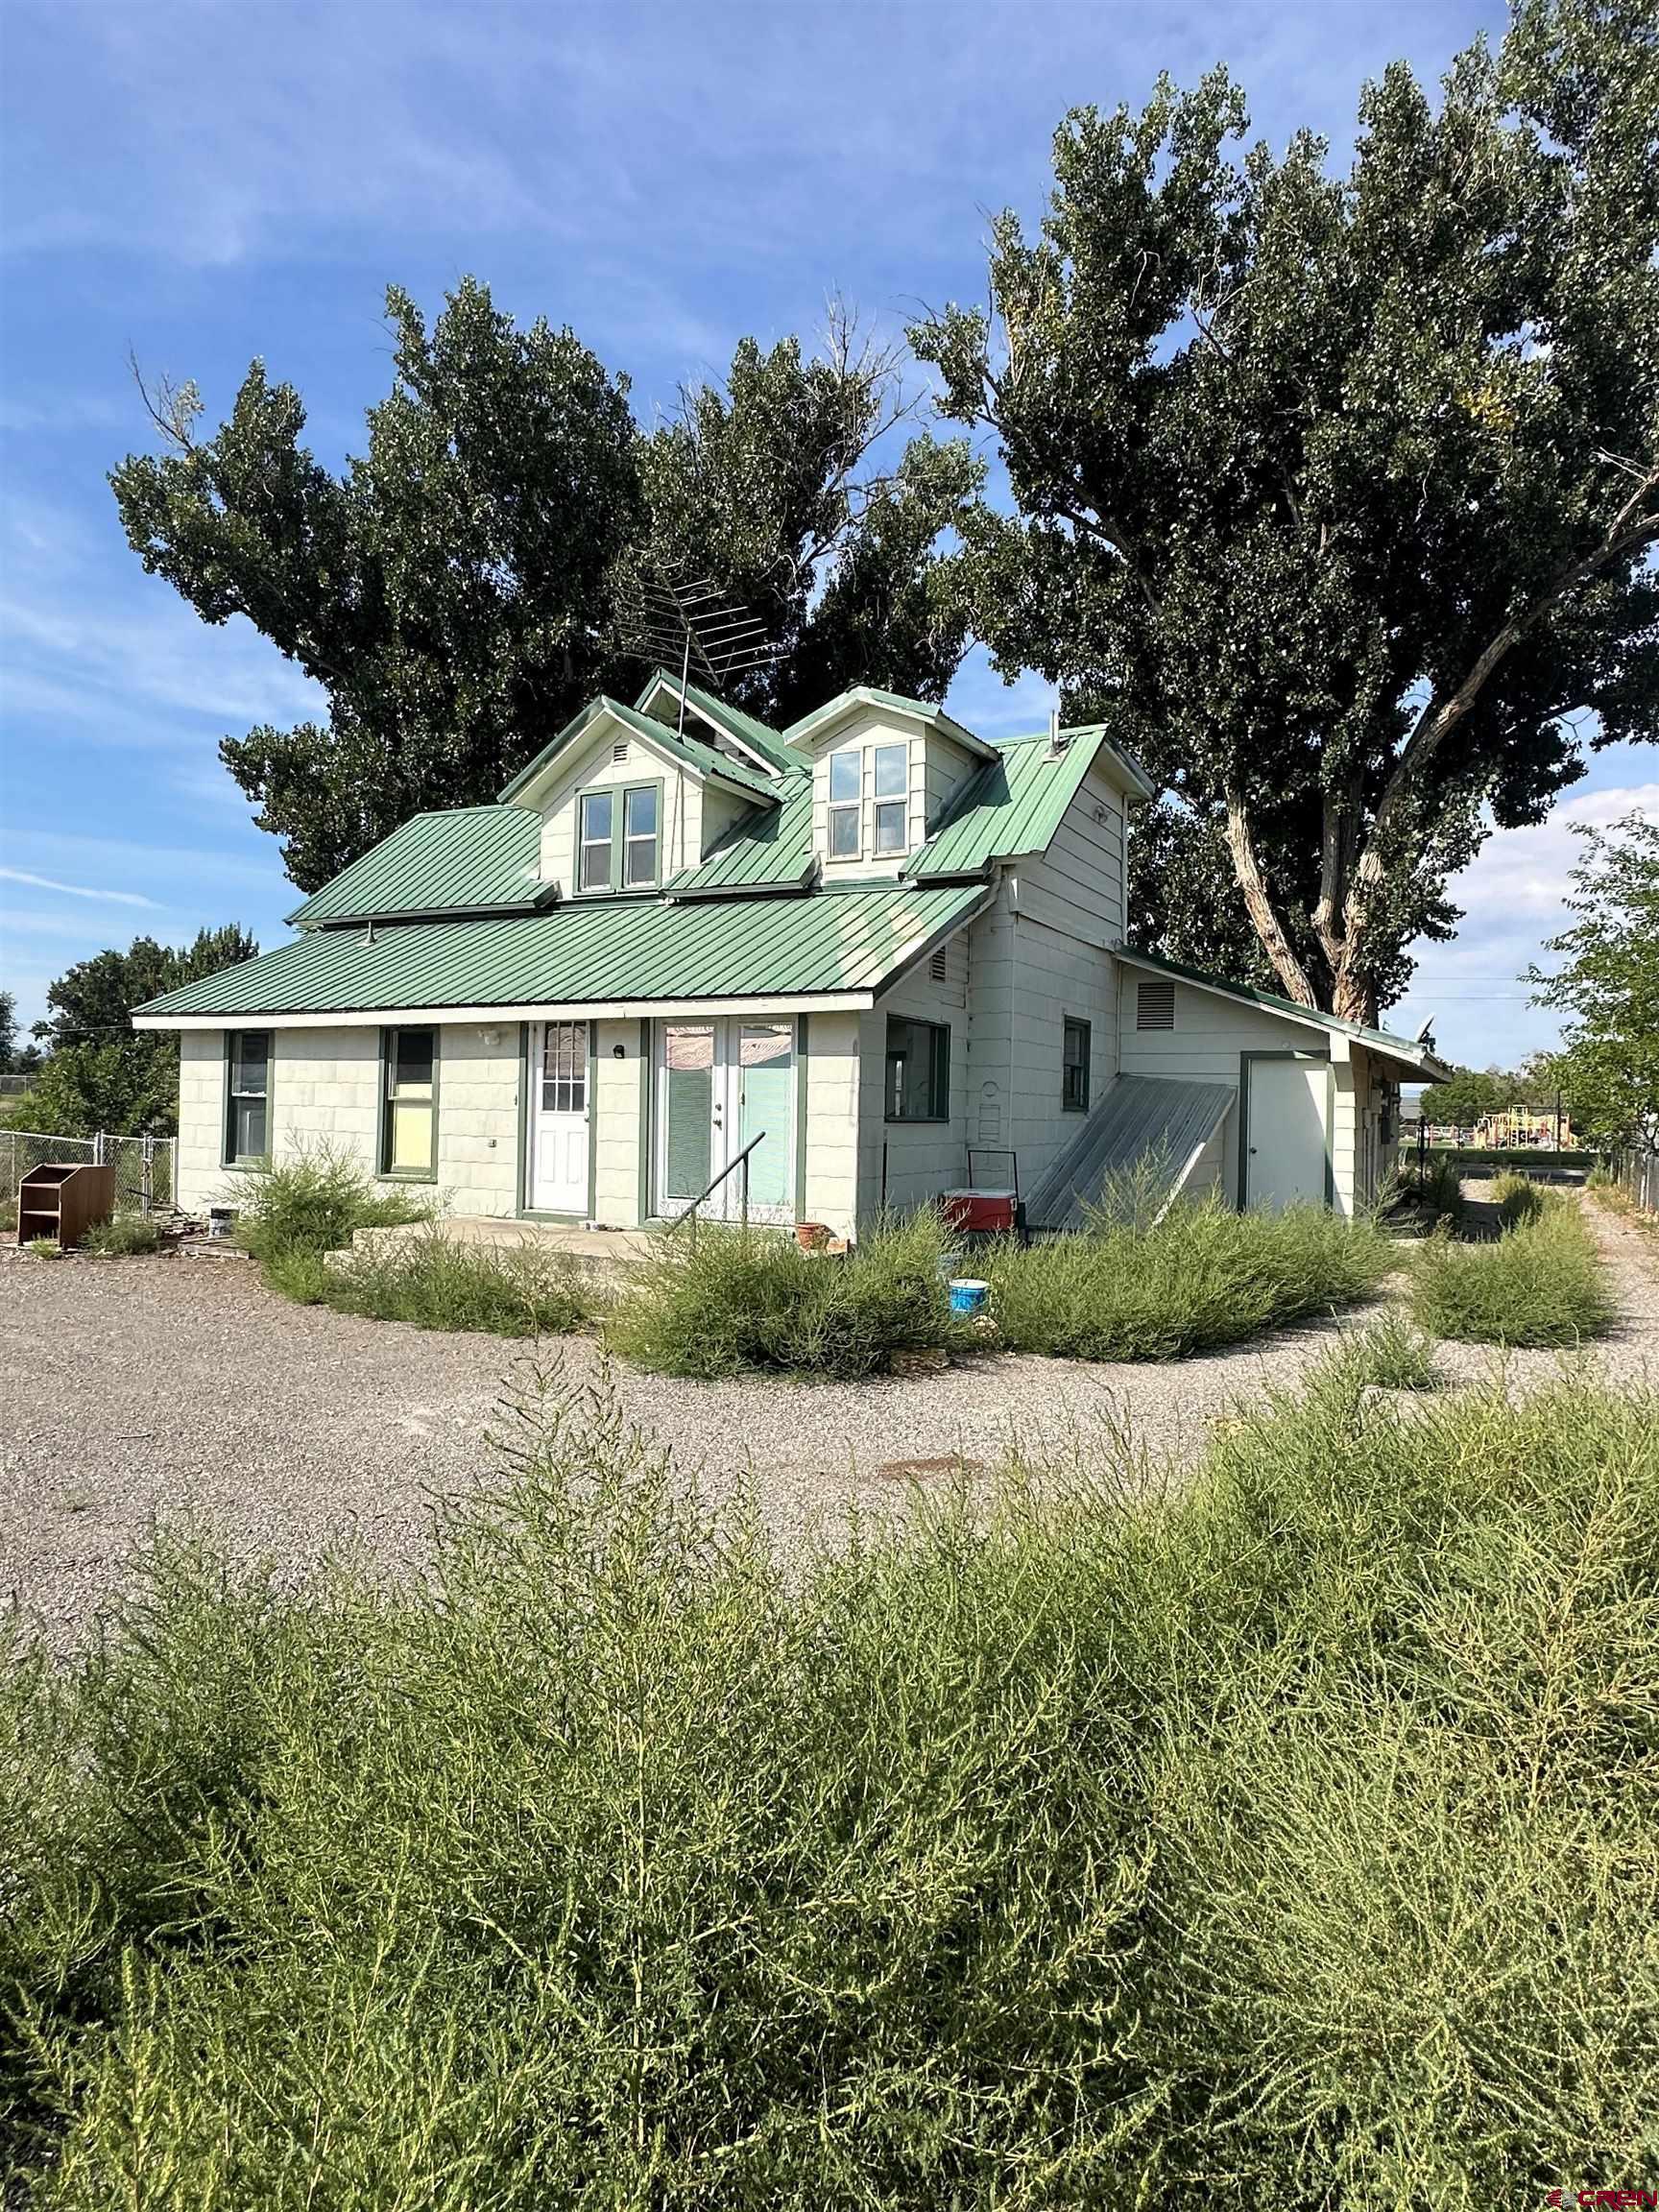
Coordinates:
x,y
565,1068
593,863
639,837
689,1108
766,1055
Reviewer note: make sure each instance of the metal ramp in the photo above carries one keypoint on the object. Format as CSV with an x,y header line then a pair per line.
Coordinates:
x,y
1140,1115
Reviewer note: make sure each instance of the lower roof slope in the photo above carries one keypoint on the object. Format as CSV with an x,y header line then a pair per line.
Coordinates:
x,y
462,858
598,952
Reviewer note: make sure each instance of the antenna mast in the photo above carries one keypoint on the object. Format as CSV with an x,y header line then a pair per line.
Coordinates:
x,y
671,616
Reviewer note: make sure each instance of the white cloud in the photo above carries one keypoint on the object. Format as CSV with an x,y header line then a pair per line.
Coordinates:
x,y
79,890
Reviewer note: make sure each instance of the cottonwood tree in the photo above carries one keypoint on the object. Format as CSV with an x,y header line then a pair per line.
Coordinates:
x,y
101,1074
1336,492
455,588
1607,985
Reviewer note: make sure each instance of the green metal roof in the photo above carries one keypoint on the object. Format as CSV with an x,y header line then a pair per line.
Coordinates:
x,y
467,856
1013,804
703,757
760,736
596,950
770,850
1404,1048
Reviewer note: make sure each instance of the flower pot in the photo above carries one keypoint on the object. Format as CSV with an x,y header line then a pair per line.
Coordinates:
x,y
811,1236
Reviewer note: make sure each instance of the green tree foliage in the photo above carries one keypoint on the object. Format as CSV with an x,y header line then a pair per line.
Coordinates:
x,y
1337,491
1608,986
457,589
8,1029
101,1074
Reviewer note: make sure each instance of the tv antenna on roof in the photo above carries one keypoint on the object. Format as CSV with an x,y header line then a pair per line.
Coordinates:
x,y
675,618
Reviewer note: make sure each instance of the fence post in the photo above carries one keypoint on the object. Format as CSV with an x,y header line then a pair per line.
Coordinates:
x,y
98,1148
147,1177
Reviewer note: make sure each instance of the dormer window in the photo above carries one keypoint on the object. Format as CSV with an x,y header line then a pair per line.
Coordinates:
x,y
593,860
639,837
892,794
845,776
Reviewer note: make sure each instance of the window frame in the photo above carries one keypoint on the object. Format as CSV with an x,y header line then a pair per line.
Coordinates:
x,y
890,801
853,806
384,1168
1074,1026
229,1157
938,1073
615,883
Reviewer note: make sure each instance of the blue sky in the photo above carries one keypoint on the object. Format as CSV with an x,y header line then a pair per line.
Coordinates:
x,y
201,184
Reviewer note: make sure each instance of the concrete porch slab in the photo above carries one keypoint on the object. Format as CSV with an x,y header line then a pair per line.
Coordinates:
x,y
596,1251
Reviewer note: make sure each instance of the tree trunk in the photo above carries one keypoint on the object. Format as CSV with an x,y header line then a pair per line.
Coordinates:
x,y
1259,906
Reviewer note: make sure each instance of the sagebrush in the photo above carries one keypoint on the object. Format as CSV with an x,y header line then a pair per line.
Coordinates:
x,y
1293,1842
731,1299
1200,1277
1541,1282
432,1282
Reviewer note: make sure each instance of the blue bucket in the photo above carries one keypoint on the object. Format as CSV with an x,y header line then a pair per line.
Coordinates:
x,y
968,1295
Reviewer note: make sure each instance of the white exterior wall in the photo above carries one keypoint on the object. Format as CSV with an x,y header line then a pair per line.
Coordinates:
x,y
921,1156
326,1090
832,1074
201,1179
1042,953
1203,1046
618,1119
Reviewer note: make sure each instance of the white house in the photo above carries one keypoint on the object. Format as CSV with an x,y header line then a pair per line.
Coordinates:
x,y
872,942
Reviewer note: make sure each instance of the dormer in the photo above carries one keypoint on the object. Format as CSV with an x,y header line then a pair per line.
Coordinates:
x,y
884,773
626,800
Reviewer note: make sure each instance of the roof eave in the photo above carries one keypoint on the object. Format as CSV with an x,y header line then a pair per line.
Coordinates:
x,y
868,696
1406,1050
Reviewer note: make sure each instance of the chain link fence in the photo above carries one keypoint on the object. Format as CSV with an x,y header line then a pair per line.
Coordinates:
x,y
145,1166
1637,1173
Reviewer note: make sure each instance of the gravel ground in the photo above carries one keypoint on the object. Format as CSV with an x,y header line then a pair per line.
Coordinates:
x,y
182,1387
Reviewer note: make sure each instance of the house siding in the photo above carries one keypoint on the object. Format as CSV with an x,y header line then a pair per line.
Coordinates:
x,y
1210,1034
832,1074
326,1090
617,1121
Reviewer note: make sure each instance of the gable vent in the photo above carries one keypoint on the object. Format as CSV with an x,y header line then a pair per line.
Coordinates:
x,y
1155,1004
936,967
619,751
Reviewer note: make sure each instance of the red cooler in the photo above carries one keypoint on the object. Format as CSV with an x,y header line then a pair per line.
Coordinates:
x,y
980,1213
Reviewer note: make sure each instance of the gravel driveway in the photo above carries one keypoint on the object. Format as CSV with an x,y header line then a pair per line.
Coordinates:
x,y
131,1388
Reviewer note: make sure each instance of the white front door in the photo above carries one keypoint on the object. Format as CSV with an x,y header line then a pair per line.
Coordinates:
x,y
559,1108
720,1086
1287,1133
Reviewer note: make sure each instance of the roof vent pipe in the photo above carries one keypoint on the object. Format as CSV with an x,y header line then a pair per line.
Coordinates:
x,y
1056,743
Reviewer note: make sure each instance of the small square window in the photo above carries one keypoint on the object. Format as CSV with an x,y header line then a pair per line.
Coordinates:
x,y
1074,1068
843,778
890,826
892,771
